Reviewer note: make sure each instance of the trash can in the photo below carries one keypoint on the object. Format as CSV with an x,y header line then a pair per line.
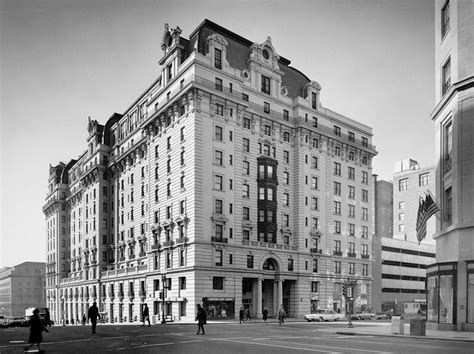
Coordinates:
x,y
417,327
398,325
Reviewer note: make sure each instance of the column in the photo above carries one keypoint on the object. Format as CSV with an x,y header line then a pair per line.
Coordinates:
x,y
280,292
258,309
276,304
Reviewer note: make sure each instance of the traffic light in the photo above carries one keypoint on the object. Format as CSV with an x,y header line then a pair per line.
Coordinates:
x,y
344,290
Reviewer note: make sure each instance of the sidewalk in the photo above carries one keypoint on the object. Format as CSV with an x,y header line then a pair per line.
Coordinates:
x,y
363,329
385,329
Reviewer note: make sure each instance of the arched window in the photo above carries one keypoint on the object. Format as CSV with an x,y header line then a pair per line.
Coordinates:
x,y
269,264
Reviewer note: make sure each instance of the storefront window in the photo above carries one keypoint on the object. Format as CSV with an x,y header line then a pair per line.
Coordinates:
x,y
446,299
432,312
219,307
470,298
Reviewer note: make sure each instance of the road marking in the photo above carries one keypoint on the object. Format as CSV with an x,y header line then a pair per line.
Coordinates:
x,y
277,346
16,341
155,345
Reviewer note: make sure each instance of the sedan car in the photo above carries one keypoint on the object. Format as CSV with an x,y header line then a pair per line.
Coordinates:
x,y
324,315
18,322
381,316
363,316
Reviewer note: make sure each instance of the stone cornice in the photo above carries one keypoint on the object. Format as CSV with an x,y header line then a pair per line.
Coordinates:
x,y
461,85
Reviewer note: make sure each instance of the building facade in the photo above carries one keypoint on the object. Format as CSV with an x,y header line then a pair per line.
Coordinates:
x,y
21,287
400,261
450,283
225,183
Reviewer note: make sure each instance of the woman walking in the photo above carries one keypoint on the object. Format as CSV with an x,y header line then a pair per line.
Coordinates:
x,y
281,315
265,315
36,329
201,317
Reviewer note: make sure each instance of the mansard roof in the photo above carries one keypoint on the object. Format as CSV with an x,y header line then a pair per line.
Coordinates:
x,y
238,54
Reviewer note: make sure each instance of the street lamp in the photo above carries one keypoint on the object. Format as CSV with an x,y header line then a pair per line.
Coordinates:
x,y
163,295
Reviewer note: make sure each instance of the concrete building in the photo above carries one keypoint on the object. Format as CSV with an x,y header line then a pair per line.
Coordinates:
x,y
450,283
400,262
410,182
227,181
21,287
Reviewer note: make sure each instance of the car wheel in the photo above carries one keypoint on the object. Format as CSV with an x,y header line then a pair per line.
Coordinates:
x,y
321,319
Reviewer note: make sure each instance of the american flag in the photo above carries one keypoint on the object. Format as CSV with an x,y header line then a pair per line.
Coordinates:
x,y
426,209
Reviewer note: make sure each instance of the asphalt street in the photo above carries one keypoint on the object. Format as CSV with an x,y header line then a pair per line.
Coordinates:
x,y
223,338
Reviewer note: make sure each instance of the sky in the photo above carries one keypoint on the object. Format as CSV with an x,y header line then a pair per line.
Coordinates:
x,y
64,60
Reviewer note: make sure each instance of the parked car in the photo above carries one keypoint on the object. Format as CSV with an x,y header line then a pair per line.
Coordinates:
x,y
324,315
382,316
363,316
3,321
18,322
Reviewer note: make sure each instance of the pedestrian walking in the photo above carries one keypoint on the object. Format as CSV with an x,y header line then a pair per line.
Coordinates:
x,y
36,329
265,315
281,315
241,316
201,317
247,315
146,315
93,314
84,319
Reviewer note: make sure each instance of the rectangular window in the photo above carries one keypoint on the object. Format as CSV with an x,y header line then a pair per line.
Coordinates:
x,y
365,269
351,268
365,177
424,179
246,213
218,157
217,58
246,123
245,97
365,214
314,162
218,283
286,115
314,182
403,184
337,208
351,136
218,258
337,168
218,206
365,141
351,211
337,227
365,195
337,130
218,133
246,144
315,265
446,76
313,100
266,107
314,286
337,267
218,84
286,156
286,177
218,182
290,264
448,205
351,173
351,192
365,232
315,122
448,149
337,188
352,229
265,84
249,261
219,110
445,17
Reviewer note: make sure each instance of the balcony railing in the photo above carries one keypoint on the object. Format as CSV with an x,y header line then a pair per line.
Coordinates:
x,y
316,250
181,240
168,244
364,256
218,239
352,254
337,253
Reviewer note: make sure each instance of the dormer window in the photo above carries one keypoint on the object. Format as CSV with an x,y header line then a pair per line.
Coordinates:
x,y
265,84
217,58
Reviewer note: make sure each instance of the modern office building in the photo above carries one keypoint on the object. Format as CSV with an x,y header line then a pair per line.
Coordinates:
x,y
400,261
450,283
21,287
226,182
410,183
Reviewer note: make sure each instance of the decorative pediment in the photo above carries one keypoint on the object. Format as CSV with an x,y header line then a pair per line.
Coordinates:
x,y
170,37
265,53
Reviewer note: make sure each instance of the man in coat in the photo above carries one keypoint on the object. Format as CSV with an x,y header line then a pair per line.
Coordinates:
x,y
146,315
93,314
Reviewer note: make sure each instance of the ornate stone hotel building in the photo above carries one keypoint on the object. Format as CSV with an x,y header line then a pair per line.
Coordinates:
x,y
225,183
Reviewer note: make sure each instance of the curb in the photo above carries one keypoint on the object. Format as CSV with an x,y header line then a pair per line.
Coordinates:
x,y
406,336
